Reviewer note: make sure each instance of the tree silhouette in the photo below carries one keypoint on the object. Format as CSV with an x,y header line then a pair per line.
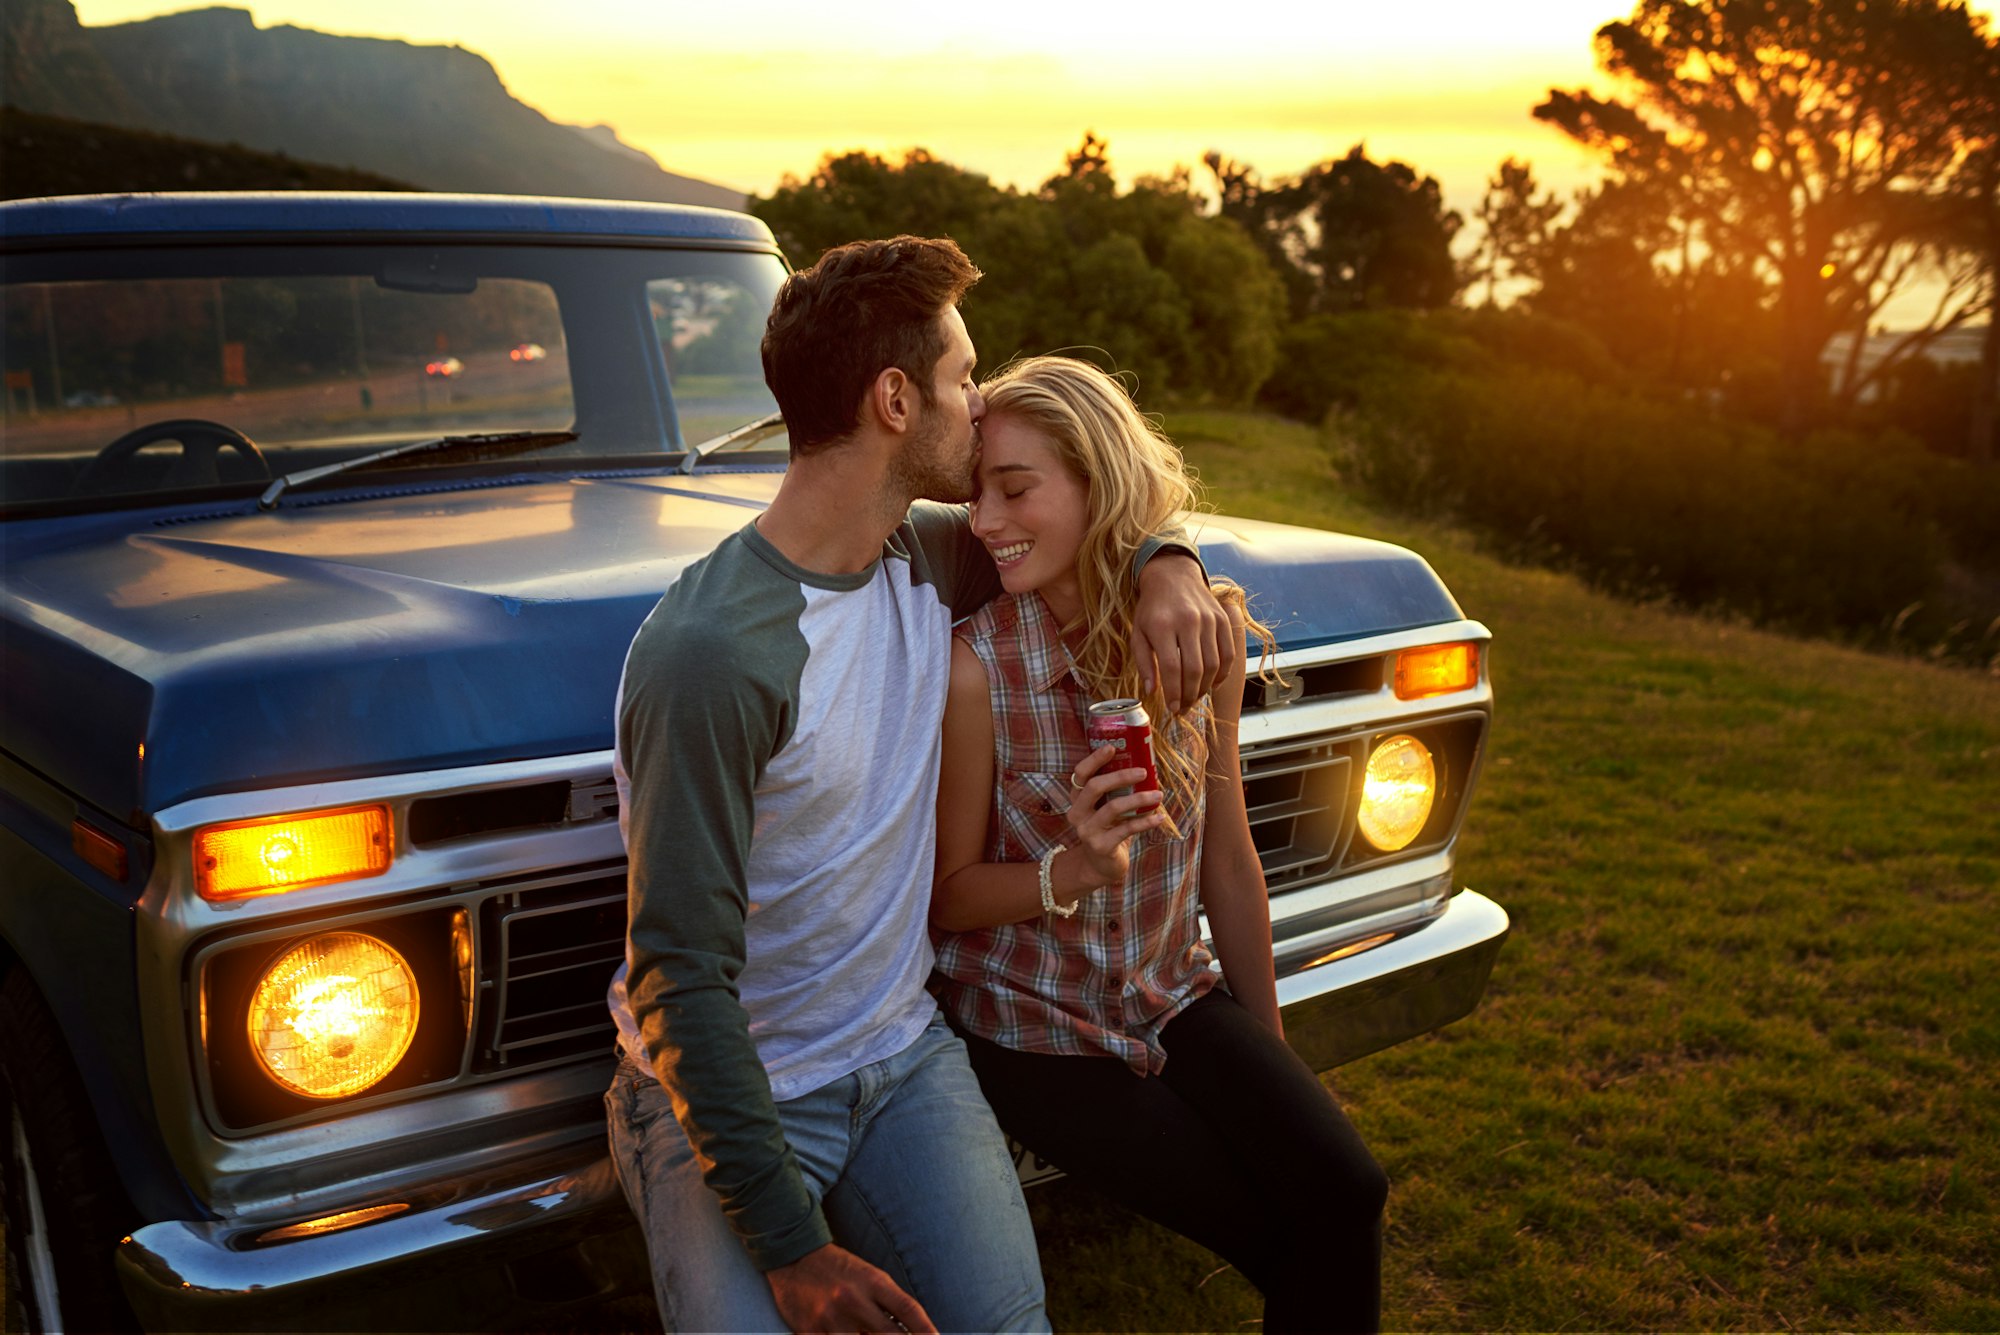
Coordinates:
x,y
1181,299
1349,233
1515,226
1833,144
1629,269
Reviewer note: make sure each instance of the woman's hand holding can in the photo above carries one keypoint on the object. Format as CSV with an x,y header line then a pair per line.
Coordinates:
x,y
1101,827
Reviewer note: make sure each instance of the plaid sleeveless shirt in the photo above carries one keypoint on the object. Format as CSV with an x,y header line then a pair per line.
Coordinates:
x,y
1106,981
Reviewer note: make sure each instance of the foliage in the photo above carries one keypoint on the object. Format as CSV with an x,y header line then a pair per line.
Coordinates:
x,y
1514,227
1833,147
1694,320
1524,428
1348,233
1141,280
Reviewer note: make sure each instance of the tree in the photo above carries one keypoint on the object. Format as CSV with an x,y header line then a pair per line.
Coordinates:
x,y
1354,234
1830,144
1627,268
1515,226
1981,443
854,195
1243,199
1181,299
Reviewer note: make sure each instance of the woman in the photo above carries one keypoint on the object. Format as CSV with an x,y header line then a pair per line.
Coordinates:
x,y
1069,947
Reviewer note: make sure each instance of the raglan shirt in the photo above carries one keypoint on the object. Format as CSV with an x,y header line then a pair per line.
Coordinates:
x,y
781,835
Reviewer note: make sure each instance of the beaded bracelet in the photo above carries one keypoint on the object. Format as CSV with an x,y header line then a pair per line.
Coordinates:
x,y
1049,904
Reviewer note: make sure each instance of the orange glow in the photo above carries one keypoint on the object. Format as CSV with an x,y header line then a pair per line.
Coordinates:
x,y
334,1015
1826,270
1435,670
98,849
263,857
1396,793
1009,99
333,1223
1355,948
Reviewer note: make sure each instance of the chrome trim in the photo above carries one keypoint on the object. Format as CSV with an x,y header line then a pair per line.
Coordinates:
x,y
1360,710
1382,882
1417,982
446,1263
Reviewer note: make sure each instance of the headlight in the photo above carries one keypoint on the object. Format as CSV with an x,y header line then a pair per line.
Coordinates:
x,y
1397,792
334,1015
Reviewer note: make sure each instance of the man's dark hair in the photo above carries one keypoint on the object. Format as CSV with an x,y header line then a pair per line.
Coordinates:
x,y
864,307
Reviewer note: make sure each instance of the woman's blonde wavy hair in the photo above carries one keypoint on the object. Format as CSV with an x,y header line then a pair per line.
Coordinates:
x,y
1137,486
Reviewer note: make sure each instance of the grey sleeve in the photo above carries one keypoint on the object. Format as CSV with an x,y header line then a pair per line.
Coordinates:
x,y
945,554
700,720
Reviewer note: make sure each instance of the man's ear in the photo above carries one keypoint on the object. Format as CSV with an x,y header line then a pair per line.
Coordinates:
x,y
892,400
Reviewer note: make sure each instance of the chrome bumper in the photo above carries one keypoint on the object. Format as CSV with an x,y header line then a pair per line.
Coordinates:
x,y
1420,980
493,1258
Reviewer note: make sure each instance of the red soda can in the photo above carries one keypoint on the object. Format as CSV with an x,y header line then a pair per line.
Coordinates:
x,y
1125,725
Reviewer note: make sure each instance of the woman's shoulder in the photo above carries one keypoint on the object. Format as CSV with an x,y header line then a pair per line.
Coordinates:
x,y
1000,617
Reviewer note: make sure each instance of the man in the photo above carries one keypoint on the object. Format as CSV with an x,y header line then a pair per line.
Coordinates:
x,y
795,1127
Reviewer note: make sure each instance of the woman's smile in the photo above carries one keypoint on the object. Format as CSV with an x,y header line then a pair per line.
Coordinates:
x,y
1010,554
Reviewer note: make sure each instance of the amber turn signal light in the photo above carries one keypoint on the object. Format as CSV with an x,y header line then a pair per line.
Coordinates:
x,y
264,857
99,849
1436,669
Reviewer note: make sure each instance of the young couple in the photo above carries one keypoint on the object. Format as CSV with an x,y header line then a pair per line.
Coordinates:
x,y
796,1124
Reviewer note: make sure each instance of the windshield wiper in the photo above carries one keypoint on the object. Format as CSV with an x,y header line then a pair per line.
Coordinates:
x,y
493,445
768,425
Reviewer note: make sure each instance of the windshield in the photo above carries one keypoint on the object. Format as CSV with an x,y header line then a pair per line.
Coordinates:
x,y
151,373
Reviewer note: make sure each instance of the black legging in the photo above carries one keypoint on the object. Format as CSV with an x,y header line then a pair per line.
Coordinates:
x,y
1235,1145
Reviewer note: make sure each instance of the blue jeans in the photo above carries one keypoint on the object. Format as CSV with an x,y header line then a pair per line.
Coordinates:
x,y
905,1160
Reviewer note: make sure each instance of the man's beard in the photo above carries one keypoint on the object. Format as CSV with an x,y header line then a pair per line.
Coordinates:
x,y
925,468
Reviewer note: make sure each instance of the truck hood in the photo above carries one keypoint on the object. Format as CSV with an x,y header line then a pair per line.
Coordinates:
x,y
151,657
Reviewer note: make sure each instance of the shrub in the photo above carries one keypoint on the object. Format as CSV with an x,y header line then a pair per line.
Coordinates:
x,y
1651,496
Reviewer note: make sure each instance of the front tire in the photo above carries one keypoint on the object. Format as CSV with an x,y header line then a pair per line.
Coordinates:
x,y
65,1212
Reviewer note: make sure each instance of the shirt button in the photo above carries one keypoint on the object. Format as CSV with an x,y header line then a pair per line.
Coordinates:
x,y
1113,925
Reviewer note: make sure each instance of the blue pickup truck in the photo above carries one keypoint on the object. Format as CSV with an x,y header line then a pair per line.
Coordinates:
x,y
325,521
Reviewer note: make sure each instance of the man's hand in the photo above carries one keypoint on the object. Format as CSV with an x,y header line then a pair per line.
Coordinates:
x,y
1180,625
834,1290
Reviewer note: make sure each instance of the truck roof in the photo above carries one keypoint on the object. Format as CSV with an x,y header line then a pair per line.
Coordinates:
x,y
313,213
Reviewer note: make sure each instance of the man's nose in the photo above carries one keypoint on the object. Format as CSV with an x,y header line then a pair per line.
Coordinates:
x,y
978,404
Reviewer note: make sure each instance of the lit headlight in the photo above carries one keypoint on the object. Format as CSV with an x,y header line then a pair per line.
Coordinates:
x,y
1397,792
334,1015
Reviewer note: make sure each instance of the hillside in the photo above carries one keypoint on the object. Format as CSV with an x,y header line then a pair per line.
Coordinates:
x,y
437,117
47,155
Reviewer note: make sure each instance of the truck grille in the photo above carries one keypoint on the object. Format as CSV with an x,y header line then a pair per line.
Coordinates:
x,y
554,951
1297,795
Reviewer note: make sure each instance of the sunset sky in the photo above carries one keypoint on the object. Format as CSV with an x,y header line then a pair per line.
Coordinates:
x,y
744,92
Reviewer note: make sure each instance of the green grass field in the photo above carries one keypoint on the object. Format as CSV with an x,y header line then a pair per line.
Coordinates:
x,y
1737,1065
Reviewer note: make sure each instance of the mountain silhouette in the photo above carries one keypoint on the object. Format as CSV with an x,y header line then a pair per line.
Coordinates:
x,y
436,116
